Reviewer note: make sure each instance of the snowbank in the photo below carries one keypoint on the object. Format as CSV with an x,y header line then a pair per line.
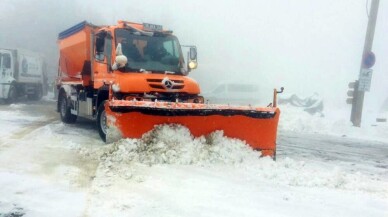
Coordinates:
x,y
173,144
335,122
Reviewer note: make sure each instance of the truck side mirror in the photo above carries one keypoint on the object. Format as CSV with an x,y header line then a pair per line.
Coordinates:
x,y
192,62
193,53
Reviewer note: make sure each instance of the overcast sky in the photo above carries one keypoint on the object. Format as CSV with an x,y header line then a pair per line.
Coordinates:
x,y
306,46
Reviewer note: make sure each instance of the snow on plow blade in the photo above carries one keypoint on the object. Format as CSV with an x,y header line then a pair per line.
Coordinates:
x,y
256,125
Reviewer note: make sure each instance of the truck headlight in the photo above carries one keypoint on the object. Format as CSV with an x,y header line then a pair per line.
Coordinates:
x,y
199,99
192,65
116,88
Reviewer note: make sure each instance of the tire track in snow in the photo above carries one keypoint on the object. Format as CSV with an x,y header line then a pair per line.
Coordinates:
x,y
369,157
41,140
20,134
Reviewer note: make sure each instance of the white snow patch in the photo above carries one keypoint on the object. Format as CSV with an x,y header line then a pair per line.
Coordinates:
x,y
17,106
37,197
49,97
11,121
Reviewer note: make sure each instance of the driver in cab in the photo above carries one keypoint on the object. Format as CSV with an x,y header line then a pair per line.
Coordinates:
x,y
130,50
155,51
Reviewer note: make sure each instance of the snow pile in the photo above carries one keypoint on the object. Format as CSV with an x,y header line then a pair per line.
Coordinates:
x,y
174,144
298,173
335,122
165,145
11,210
296,120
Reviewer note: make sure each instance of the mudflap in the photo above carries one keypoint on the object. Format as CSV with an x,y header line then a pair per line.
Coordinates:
x,y
257,126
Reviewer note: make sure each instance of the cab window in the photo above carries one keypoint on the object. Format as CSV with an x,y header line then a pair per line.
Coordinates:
x,y
100,45
171,47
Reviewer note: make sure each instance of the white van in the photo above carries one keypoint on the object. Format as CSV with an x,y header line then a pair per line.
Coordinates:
x,y
234,93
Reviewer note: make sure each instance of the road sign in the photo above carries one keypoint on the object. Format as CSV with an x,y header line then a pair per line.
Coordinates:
x,y
369,60
365,79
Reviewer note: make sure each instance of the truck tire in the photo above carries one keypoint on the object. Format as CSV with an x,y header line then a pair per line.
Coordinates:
x,y
12,95
64,110
37,95
101,121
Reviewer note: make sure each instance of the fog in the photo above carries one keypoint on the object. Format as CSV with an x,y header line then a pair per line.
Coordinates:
x,y
306,46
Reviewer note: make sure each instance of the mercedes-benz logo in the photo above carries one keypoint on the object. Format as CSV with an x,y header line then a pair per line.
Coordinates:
x,y
167,83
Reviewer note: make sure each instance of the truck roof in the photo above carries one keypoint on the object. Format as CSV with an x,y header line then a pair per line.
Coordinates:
x,y
146,27
72,30
23,51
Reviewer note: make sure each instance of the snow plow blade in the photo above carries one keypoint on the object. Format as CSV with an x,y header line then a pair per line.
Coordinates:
x,y
257,126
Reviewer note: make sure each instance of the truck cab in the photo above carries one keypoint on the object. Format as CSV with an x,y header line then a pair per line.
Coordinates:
x,y
6,65
6,74
22,73
127,61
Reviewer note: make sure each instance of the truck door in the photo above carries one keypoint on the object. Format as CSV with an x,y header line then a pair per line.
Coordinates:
x,y
6,69
102,57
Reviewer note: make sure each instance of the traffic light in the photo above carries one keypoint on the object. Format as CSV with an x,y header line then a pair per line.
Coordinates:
x,y
352,92
352,99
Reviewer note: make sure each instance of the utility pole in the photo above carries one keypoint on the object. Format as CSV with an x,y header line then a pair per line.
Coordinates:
x,y
368,60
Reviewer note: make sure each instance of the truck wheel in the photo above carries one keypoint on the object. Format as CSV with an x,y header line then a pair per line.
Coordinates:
x,y
102,121
64,110
12,95
37,95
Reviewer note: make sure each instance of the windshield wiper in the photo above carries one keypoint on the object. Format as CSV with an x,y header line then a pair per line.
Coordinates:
x,y
144,71
130,69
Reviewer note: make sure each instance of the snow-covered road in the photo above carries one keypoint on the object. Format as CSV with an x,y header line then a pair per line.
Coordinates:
x,y
366,156
48,168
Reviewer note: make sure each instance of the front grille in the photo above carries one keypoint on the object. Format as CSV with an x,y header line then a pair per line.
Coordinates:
x,y
157,84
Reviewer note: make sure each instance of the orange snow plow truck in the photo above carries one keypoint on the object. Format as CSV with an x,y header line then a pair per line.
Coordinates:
x,y
131,77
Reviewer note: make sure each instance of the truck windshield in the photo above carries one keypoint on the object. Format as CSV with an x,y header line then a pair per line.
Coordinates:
x,y
157,53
